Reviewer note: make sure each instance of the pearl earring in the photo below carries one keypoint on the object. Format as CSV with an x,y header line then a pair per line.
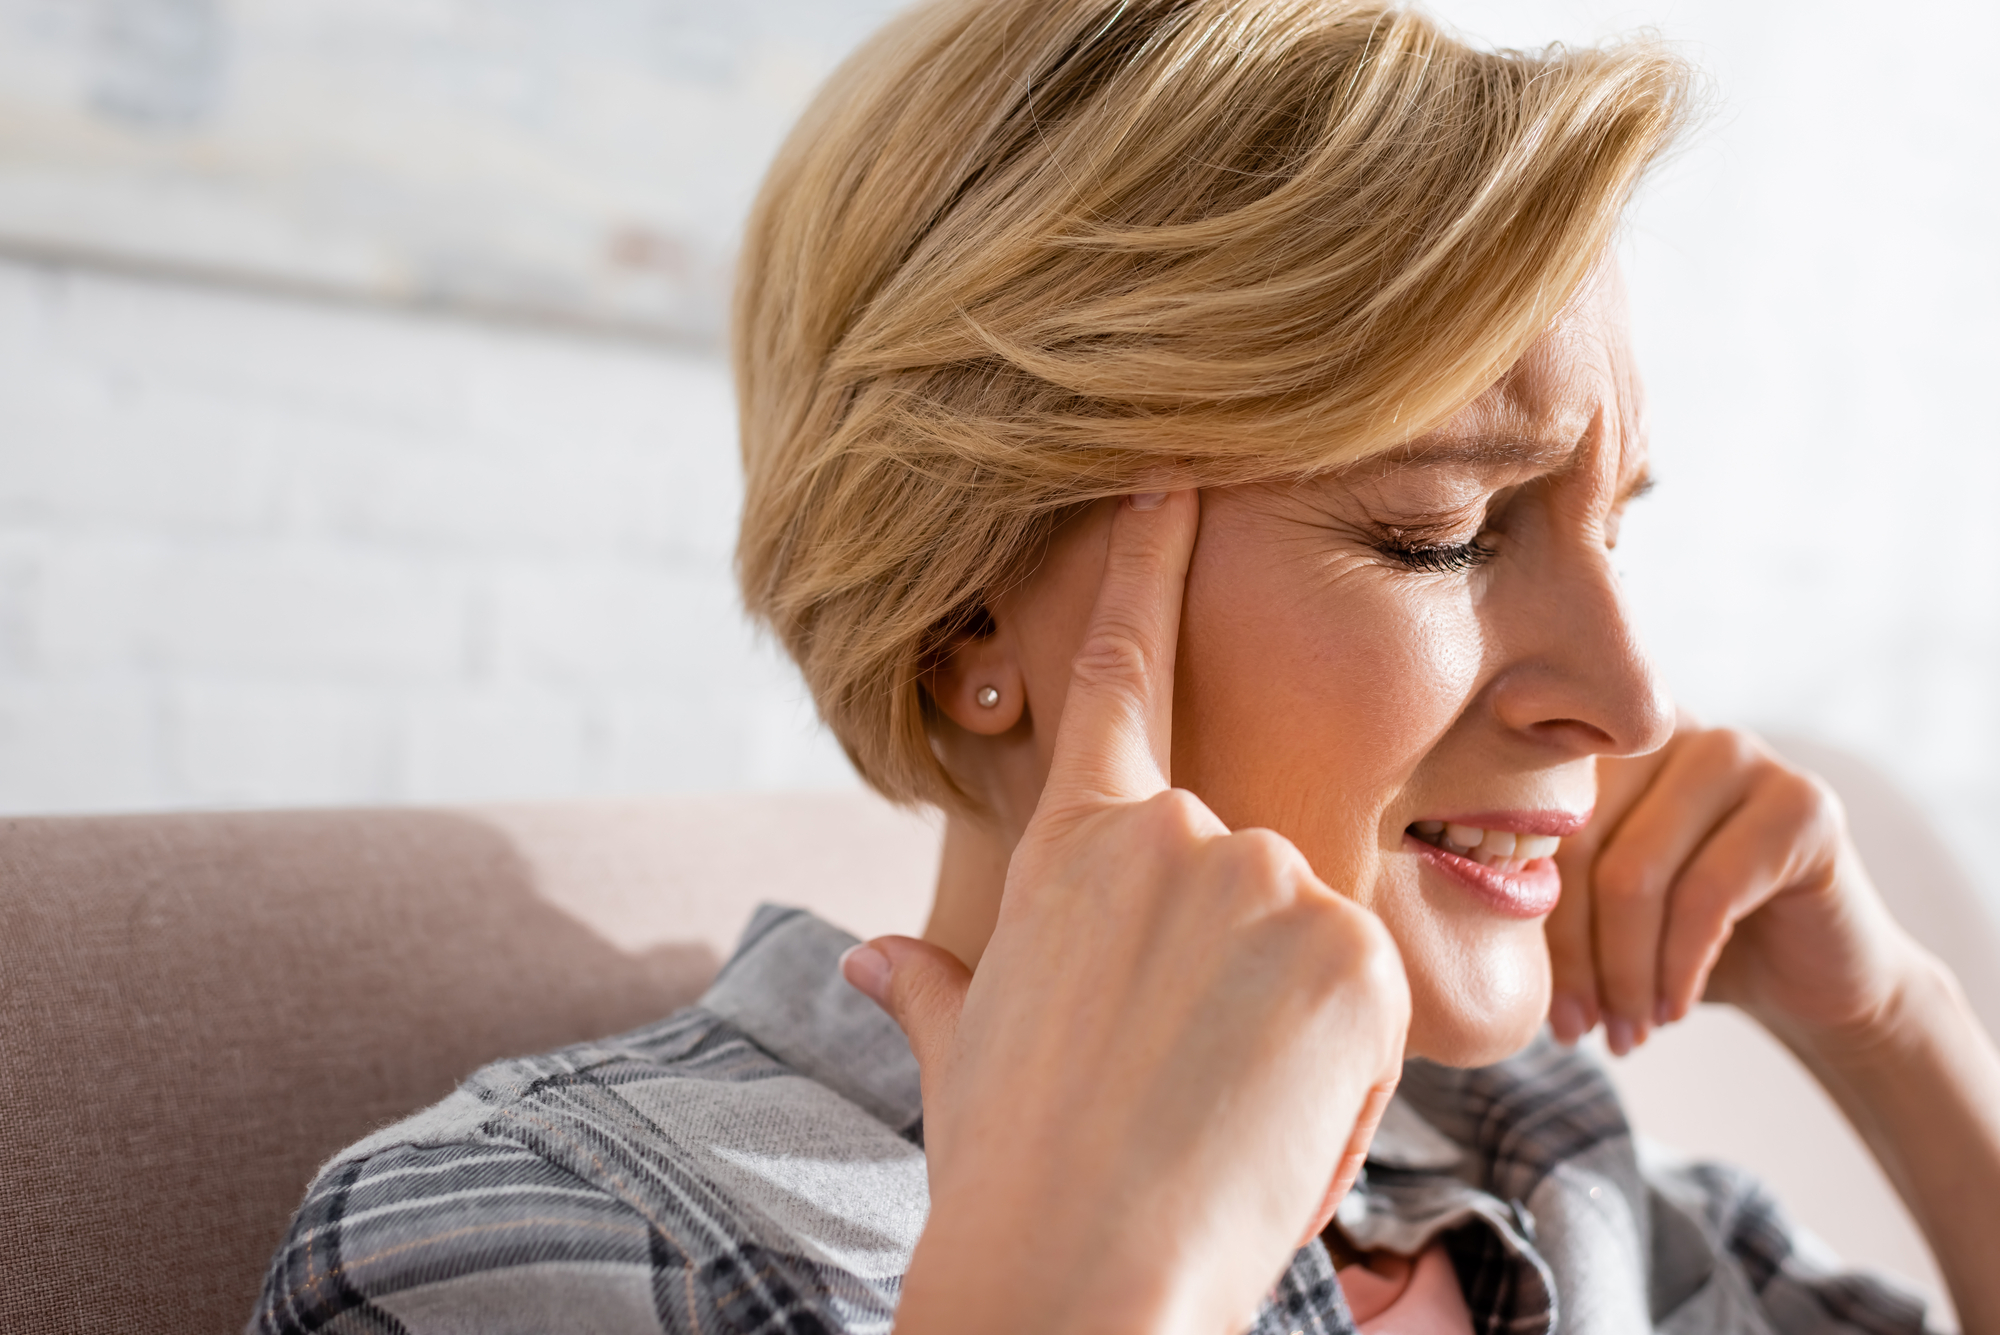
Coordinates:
x,y
988,696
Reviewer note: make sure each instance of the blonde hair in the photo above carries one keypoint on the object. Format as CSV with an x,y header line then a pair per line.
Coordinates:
x,y
1019,254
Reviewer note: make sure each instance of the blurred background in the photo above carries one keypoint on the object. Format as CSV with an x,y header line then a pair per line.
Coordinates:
x,y
364,433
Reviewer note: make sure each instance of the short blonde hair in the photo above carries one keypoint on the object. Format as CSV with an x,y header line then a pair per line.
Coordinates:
x,y
1019,254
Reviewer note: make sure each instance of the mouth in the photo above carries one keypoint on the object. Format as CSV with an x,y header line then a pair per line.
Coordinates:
x,y
1502,850
1505,859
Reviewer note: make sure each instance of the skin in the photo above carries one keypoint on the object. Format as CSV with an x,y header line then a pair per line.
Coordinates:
x,y
1176,960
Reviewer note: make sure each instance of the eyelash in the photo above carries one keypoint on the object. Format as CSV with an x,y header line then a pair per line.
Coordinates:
x,y
1441,559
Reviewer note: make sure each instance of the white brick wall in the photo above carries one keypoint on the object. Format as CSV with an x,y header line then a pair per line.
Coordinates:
x,y
261,551
258,551
255,551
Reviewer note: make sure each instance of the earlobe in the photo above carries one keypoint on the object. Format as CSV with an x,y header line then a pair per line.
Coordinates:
x,y
978,685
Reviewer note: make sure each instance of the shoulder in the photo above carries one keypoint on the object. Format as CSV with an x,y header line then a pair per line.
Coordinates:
x,y
1624,1224
1704,1246
1705,1209
678,1178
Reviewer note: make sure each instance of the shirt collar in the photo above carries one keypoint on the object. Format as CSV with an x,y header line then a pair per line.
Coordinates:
x,y
1405,1140
783,989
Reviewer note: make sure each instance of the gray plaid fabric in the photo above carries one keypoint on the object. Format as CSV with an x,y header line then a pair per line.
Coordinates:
x,y
755,1165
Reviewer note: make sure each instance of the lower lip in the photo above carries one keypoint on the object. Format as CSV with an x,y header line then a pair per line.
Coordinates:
x,y
1531,892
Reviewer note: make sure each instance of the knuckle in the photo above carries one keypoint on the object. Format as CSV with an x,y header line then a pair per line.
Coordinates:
x,y
1112,657
1626,877
913,992
919,991
1802,799
1265,853
1350,970
1830,811
1177,814
1377,972
1264,867
1367,952
1792,797
1731,749
1376,957
1569,948
1699,888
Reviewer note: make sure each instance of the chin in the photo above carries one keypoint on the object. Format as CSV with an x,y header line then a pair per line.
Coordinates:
x,y
1485,1007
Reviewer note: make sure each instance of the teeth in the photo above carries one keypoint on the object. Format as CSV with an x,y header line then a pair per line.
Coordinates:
x,y
1500,849
1466,837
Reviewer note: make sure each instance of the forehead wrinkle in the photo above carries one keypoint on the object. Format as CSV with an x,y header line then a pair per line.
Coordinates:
x,y
1535,418
1574,393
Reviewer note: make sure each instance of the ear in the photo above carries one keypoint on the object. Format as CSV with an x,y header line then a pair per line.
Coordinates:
x,y
977,667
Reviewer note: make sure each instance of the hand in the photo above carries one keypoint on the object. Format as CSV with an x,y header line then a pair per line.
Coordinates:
x,y
1179,1041
1713,870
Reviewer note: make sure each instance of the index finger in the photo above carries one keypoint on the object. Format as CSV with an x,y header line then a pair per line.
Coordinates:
x,y
1115,738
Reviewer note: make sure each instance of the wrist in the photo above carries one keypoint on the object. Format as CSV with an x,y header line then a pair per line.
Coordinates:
x,y
1917,1004
1920,1082
987,1269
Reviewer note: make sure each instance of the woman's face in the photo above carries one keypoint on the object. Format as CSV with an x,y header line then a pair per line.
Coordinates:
x,y
1379,664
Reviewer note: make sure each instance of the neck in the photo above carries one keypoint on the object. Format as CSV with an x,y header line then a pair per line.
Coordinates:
x,y
971,876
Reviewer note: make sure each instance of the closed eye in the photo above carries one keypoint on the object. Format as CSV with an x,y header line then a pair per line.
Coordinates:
x,y
1438,558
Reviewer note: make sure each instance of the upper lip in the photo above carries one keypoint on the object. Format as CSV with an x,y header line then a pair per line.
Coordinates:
x,y
1557,822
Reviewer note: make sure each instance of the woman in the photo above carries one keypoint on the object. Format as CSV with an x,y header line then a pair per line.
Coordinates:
x,y
1184,439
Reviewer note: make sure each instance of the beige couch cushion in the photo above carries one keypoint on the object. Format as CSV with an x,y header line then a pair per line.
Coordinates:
x,y
195,1010
198,1009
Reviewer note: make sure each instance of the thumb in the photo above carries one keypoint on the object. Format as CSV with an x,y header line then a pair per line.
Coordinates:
x,y
922,986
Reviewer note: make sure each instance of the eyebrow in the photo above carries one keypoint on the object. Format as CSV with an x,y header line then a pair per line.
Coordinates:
x,y
1516,452
1494,450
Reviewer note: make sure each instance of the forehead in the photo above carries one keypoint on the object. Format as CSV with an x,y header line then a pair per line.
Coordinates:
x,y
1574,391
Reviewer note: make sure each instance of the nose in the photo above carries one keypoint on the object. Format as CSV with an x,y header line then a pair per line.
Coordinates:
x,y
1574,673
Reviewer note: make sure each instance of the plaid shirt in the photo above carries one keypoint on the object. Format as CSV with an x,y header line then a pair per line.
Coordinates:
x,y
754,1164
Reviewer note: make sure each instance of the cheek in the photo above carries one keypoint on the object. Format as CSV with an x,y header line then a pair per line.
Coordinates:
x,y
1307,706
1304,702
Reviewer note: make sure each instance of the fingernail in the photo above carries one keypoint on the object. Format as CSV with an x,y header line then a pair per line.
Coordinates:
x,y
1147,500
1663,1012
867,971
1566,1018
1618,1035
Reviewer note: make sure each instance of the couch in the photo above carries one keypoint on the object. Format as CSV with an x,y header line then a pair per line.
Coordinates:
x,y
196,1009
